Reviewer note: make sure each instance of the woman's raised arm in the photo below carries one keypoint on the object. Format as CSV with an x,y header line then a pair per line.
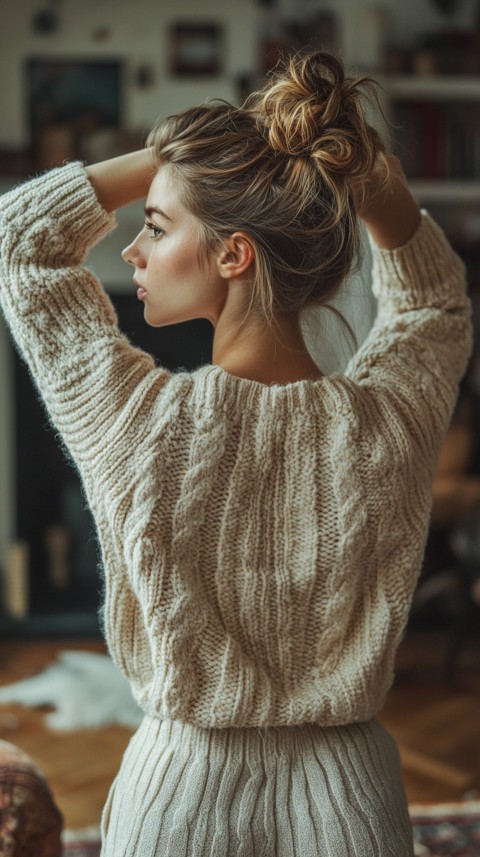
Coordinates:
x,y
386,205
124,179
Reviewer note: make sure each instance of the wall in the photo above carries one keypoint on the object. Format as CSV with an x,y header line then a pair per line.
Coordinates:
x,y
139,34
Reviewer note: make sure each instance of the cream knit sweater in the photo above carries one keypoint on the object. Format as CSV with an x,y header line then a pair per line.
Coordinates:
x,y
259,544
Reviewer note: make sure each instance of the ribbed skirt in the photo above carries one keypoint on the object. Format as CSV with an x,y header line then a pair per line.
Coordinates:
x,y
300,791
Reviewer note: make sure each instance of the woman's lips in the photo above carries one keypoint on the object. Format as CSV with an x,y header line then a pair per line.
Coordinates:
x,y
141,292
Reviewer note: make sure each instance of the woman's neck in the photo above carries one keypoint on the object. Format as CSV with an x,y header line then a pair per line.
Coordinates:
x,y
264,355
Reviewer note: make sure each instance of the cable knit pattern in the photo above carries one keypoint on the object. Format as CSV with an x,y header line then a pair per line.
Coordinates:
x,y
259,544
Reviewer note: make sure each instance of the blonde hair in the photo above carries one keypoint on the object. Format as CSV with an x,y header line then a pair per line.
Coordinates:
x,y
280,168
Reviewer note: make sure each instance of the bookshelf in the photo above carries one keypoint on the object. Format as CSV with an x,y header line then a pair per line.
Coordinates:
x,y
446,191
436,124
435,87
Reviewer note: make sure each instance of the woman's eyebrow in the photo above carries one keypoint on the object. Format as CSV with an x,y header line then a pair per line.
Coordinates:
x,y
153,209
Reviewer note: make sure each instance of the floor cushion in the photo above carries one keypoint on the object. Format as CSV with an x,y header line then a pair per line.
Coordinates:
x,y
30,821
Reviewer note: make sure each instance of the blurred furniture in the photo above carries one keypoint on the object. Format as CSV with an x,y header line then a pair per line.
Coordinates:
x,y
447,585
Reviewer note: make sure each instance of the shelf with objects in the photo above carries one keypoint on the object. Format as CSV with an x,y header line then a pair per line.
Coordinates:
x,y
436,125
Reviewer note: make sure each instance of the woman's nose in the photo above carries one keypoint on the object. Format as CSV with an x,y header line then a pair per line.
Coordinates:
x,y
132,255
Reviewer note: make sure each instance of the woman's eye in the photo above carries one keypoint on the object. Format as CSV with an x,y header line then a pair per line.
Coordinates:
x,y
155,231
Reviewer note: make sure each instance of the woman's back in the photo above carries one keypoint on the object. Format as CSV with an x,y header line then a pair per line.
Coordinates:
x,y
261,541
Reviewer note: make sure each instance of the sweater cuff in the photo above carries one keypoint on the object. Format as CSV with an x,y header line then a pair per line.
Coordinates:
x,y
420,272
59,214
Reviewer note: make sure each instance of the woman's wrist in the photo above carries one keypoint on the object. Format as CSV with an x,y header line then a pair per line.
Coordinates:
x,y
124,179
386,205
394,222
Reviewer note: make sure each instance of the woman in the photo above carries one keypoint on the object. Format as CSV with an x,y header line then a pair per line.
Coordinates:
x,y
261,524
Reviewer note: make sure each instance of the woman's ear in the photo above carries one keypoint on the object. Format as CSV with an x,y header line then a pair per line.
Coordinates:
x,y
236,256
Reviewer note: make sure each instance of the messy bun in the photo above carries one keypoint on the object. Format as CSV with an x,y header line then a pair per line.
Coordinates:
x,y
310,109
280,168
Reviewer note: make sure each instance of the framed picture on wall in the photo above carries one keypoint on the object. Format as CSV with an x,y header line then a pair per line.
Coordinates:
x,y
68,100
196,49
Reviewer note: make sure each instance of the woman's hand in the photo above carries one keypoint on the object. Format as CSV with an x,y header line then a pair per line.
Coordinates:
x,y
386,205
122,180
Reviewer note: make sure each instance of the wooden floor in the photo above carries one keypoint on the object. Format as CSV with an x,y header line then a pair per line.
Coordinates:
x,y
437,728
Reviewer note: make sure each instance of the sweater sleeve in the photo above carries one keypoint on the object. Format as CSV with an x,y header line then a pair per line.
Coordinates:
x,y
421,340
93,381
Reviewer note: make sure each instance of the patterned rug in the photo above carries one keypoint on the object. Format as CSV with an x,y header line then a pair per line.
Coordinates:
x,y
81,843
441,830
447,830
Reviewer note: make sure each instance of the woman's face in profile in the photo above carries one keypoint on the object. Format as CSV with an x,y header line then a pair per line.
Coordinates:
x,y
174,280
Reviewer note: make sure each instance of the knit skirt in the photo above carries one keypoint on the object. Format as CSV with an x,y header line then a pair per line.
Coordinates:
x,y
300,791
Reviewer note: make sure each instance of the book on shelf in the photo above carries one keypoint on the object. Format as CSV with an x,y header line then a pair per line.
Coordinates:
x,y
437,143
